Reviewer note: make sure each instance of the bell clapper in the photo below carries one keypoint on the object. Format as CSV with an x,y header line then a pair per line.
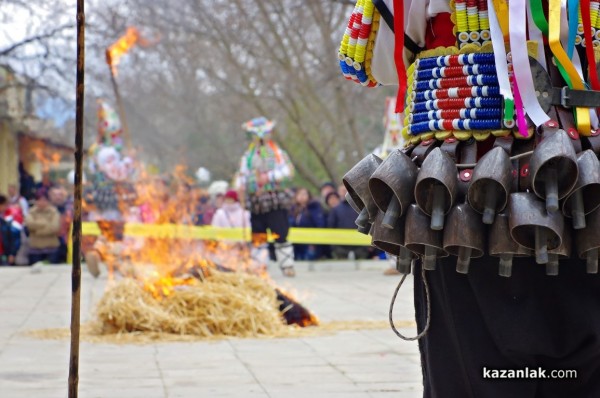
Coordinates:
x,y
365,229
551,189
464,260
577,210
404,261
437,207
541,245
430,258
505,268
391,214
592,261
552,265
363,218
489,209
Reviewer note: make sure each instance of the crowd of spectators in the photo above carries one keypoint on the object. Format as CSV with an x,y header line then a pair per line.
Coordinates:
x,y
35,221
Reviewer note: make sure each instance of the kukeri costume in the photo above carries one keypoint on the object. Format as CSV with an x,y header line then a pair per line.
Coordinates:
x,y
265,174
500,173
110,169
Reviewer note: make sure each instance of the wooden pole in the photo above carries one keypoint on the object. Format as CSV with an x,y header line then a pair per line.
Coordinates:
x,y
120,106
76,271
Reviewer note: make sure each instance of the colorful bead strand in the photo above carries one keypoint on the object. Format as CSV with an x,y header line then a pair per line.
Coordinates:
x,y
462,113
456,92
456,103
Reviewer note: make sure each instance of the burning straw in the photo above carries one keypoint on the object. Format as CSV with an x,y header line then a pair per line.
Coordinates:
x,y
225,304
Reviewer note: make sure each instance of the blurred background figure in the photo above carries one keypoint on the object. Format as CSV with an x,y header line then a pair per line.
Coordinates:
x,y
332,200
16,199
26,183
231,214
10,235
43,224
306,213
343,216
59,198
327,188
264,177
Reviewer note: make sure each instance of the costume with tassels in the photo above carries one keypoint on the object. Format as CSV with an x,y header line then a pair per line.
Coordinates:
x,y
265,174
499,176
110,168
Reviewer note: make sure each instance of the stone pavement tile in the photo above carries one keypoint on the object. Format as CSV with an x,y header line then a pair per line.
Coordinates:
x,y
193,377
37,393
213,366
404,394
383,376
292,378
324,369
311,389
31,379
390,387
118,383
231,391
284,362
316,394
121,392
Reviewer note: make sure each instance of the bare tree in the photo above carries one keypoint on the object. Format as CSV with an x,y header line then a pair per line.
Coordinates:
x,y
221,62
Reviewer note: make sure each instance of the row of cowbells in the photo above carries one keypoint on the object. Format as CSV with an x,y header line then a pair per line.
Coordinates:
x,y
413,211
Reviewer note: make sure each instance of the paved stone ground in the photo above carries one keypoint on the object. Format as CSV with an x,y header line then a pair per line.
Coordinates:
x,y
352,364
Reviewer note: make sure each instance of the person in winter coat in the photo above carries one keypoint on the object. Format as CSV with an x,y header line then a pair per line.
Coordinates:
x,y
10,235
43,223
307,213
231,214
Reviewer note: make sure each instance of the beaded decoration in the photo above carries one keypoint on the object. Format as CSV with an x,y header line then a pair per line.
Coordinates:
x,y
472,24
453,93
595,20
356,48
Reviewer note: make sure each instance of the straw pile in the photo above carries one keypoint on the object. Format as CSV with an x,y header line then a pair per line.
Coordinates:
x,y
225,304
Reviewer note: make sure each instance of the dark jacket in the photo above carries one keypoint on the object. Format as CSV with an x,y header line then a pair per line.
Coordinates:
x,y
312,216
10,237
342,216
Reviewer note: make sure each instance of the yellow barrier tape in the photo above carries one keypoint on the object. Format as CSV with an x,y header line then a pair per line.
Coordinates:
x,y
317,236
313,236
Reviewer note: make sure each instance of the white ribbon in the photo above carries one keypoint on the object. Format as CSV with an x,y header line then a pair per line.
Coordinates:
x,y
499,53
520,60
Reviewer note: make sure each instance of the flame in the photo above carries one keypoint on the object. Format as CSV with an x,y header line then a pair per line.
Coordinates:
x,y
121,47
162,265
45,156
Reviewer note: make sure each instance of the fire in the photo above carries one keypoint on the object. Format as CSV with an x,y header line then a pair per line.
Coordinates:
x,y
163,264
45,156
121,47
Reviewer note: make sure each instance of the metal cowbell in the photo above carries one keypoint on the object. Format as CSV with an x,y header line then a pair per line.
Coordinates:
x,y
585,196
392,241
435,189
421,239
356,182
491,184
464,236
502,245
532,226
392,186
553,169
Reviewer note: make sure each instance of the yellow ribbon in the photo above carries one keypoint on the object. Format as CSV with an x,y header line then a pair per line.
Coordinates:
x,y
582,115
501,8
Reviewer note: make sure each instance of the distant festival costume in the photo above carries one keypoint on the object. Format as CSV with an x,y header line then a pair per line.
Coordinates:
x,y
265,174
110,169
497,185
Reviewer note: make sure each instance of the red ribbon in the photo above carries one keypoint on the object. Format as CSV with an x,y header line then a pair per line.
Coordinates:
x,y
589,48
398,51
